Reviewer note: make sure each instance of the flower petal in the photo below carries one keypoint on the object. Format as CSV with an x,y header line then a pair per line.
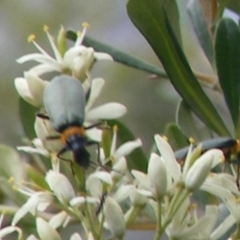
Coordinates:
x,y
22,87
114,217
96,88
45,231
64,191
127,148
166,151
157,173
60,219
106,111
75,236
102,56
8,230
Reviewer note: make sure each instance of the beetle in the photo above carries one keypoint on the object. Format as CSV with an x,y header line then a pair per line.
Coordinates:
x,y
229,146
64,101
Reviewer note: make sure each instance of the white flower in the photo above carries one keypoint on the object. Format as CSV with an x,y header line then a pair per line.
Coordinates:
x,y
60,185
77,60
31,88
38,201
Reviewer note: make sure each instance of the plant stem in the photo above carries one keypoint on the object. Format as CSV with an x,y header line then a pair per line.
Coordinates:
x,y
159,229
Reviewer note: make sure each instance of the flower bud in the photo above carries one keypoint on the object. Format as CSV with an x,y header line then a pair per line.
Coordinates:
x,y
201,168
157,173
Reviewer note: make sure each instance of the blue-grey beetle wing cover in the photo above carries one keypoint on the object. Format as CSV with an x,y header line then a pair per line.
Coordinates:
x,y
64,101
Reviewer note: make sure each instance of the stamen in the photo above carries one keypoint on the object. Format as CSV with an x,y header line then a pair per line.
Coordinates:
x,y
81,35
86,25
191,140
165,138
45,28
31,38
11,180
115,128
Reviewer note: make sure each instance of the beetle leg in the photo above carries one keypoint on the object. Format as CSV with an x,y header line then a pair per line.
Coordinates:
x,y
62,151
100,206
90,143
43,116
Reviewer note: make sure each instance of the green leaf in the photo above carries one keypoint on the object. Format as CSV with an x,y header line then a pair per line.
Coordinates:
x,y
174,18
119,56
176,137
201,29
27,115
150,18
227,48
137,159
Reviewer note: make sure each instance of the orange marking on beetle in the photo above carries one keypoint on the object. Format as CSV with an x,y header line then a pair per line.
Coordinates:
x,y
72,131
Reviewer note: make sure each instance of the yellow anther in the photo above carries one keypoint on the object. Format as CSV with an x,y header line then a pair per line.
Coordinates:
x,y
237,200
45,28
31,38
191,140
194,206
112,158
14,187
11,180
86,25
165,138
115,128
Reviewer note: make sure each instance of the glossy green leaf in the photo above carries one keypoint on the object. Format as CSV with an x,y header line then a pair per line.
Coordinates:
x,y
119,56
137,159
171,8
176,137
201,29
227,48
27,115
150,18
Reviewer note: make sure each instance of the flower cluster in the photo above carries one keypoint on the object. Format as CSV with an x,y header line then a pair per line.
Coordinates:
x,y
111,195
77,62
